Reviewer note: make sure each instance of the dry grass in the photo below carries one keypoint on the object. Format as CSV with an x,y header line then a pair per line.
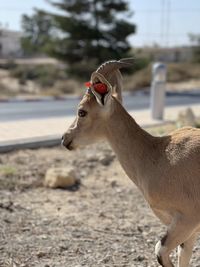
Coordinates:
x,y
140,79
183,71
177,72
161,130
67,86
49,83
7,170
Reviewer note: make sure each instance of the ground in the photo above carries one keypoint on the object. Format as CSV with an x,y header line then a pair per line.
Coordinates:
x,y
102,222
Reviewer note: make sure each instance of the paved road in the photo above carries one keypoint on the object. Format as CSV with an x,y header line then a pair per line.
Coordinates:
x,y
59,108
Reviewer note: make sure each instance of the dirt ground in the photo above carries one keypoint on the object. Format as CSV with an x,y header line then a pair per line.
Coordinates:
x,y
102,222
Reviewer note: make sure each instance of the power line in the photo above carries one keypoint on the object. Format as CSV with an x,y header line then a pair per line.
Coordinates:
x,y
177,10
157,34
168,18
162,20
180,10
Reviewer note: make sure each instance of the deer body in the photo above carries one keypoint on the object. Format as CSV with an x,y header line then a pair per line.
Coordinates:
x,y
153,162
165,169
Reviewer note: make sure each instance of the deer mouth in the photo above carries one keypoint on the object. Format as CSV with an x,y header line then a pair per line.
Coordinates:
x,y
69,146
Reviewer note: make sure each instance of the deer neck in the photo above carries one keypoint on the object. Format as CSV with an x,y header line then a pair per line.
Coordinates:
x,y
133,146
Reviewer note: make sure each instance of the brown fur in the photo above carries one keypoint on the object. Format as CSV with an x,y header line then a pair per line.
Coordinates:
x,y
166,169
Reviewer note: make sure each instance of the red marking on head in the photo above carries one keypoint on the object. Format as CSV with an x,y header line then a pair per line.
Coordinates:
x,y
100,88
88,84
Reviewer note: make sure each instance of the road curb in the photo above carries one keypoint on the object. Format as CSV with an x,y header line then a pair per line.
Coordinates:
x,y
50,140
30,143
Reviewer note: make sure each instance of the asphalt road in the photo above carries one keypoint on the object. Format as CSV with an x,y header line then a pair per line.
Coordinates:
x,y
56,108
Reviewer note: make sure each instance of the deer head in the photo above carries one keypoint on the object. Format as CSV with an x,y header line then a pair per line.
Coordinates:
x,y
96,106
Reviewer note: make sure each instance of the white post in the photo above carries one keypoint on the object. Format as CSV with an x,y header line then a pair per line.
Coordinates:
x,y
158,86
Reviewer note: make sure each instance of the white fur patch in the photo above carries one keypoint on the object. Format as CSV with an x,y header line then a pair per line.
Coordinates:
x,y
158,248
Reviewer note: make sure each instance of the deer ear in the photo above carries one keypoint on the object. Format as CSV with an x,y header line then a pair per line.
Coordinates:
x,y
101,88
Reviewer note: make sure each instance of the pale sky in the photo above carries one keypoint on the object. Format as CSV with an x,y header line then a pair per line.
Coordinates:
x,y
165,22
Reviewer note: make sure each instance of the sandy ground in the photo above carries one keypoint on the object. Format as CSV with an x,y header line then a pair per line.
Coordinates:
x,y
10,86
102,222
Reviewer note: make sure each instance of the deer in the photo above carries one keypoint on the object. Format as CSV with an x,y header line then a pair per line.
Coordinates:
x,y
166,169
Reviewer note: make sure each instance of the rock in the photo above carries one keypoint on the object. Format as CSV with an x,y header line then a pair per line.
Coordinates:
x,y
60,177
91,157
114,183
186,118
83,173
106,159
139,258
41,254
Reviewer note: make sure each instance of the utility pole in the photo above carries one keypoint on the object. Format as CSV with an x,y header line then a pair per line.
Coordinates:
x,y
162,22
1,47
165,22
168,16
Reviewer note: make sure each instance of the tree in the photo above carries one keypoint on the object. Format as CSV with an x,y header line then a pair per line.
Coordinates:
x,y
89,32
195,40
38,31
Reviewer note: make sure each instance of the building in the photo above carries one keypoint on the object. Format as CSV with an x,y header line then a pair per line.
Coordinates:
x,y
171,54
10,45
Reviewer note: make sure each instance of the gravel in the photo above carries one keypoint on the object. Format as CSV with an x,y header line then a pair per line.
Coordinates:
x,y
103,222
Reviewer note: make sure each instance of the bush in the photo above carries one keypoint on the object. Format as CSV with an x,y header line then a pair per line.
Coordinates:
x,y
43,75
68,86
24,72
176,72
139,79
8,65
141,63
183,71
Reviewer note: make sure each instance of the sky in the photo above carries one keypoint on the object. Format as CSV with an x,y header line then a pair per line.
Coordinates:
x,y
163,22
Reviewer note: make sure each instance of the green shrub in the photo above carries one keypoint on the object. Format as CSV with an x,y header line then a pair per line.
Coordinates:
x,y
24,72
141,63
7,170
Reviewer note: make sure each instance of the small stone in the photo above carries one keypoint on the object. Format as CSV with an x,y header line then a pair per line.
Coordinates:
x,y
106,259
186,118
41,254
139,228
114,183
102,214
92,158
60,177
83,173
106,159
63,248
139,258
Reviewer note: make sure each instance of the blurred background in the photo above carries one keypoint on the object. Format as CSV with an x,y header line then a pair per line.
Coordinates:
x,y
48,49
51,47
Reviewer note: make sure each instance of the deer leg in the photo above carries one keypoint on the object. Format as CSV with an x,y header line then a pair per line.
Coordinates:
x,y
185,251
178,231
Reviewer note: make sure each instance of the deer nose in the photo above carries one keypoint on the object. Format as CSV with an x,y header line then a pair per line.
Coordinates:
x,y
62,140
66,143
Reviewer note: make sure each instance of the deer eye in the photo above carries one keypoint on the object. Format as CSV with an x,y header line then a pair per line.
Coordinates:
x,y
82,113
